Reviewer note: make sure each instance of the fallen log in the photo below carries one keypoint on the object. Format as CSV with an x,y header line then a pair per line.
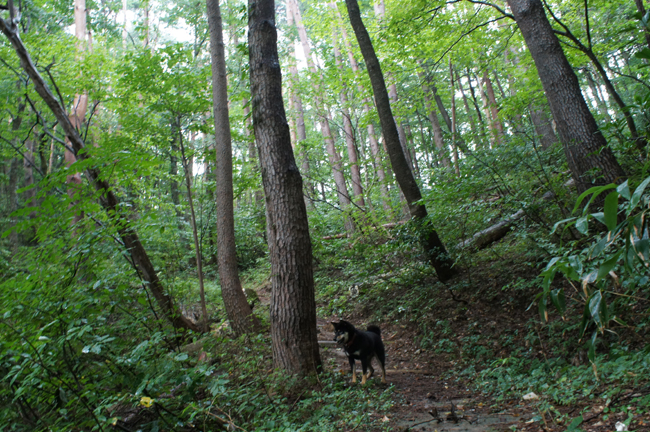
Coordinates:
x,y
486,237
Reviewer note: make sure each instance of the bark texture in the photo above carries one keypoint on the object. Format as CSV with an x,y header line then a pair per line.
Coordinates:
x,y
109,201
590,159
239,312
293,306
433,245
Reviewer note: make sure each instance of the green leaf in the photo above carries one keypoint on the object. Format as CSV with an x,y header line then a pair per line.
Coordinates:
x,y
573,426
636,197
542,308
604,312
624,190
585,320
582,224
551,263
642,248
643,54
611,210
596,190
600,217
608,265
599,247
557,297
576,264
594,307
557,224
592,347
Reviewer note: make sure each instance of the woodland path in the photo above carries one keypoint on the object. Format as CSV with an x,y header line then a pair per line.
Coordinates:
x,y
424,400
428,398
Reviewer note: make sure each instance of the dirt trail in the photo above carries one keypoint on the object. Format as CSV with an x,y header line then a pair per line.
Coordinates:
x,y
426,402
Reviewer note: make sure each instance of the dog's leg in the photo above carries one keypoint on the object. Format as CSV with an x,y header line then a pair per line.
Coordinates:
x,y
371,370
364,366
383,369
353,369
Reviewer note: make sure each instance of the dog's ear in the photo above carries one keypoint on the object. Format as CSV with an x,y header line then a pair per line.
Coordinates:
x,y
333,325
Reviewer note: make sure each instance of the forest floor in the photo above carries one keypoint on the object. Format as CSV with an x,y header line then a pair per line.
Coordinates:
x,y
429,397
429,389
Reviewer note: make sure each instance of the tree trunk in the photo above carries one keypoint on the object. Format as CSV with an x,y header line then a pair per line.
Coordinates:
x,y
602,105
334,157
493,108
472,123
197,245
432,244
370,128
441,107
590,159
639,141
124,32
239,312
12,187
453,119
301,131
258,194
486,111
543,126
293,305
109,201
30,194
435,125
78,112
641,9
476,106
355,170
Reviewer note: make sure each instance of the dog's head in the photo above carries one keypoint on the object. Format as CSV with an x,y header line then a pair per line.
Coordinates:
x,y
343,332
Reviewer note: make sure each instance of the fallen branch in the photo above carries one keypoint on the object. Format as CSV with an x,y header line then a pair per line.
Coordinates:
x,y
496,232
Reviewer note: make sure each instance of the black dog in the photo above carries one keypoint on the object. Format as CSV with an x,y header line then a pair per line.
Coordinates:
x,y
362,346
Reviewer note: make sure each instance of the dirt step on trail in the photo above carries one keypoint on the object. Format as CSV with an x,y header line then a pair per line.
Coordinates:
x,y
424,401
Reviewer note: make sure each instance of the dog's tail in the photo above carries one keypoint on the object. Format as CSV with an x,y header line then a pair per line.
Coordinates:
x,y
373,328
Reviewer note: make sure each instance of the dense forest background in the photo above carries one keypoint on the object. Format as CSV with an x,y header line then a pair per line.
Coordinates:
x,y
116,309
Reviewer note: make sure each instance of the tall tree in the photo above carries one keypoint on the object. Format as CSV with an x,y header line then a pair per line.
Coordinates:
x,y
355,170
293,306
239,312
301,130
587,49
324,120
370,127
80,105
438,138
589,157
109,201
433,245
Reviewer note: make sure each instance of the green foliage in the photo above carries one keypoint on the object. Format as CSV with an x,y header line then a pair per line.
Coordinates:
x,y
250,236
612,269
563,383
